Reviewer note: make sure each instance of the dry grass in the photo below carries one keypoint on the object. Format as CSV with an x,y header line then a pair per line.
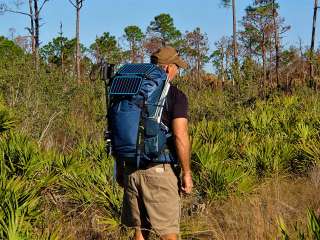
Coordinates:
x,y
255,216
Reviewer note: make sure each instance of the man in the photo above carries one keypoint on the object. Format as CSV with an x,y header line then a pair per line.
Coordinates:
x,y
151,195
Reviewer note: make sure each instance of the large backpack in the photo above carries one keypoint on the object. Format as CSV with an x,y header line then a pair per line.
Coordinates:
x,y
137,96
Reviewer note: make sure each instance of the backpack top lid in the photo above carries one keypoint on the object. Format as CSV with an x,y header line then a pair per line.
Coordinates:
x,y
136,69
129,78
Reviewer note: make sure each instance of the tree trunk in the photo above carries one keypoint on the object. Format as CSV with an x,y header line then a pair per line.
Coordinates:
x,y
36,32
269,71
142,53
263,80
235,49
250,48
222,66
276,41
78,40
228,64
311,68
235,46
132,53
32,27
302,68
198,62
32,33
36,23
61,49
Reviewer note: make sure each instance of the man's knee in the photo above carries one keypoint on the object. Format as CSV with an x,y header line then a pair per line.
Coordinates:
x,y
169,237
138,235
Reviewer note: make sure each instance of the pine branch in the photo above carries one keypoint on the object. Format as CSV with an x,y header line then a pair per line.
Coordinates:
x,y
44,2
73,4
4,9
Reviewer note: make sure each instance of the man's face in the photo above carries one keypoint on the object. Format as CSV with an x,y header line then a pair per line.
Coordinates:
x,y
172,71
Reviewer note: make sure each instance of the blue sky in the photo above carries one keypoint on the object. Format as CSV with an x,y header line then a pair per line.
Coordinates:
x,y
100,16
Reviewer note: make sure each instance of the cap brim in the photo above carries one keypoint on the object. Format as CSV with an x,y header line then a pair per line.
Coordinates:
x,y
180,63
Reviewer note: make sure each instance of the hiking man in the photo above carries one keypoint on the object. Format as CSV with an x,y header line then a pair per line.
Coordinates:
x,y
151,192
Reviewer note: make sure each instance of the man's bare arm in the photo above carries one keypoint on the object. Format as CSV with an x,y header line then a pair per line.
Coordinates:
x,y
182,143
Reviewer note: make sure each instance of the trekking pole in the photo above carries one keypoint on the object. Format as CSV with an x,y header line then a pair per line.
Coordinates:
x,y
107,72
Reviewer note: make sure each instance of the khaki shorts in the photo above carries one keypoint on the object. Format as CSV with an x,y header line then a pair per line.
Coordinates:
x,y
151,199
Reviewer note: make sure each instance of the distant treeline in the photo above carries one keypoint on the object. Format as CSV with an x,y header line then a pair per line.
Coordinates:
x,y
253,55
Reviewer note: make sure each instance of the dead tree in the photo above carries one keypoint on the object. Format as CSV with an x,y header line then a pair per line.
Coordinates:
x,y
235,45
314,22
35,7
232,3
276,40
31,29
77,4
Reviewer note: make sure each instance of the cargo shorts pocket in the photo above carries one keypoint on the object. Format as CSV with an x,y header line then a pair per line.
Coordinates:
x,y
160,186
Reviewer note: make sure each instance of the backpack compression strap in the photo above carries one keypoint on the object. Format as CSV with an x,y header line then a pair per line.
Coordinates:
x,y
162,100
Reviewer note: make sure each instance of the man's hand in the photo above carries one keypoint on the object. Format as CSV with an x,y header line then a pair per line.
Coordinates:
x,y
187,183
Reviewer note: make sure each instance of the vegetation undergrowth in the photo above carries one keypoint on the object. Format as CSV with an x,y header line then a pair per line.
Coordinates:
x,y
47,193
255,158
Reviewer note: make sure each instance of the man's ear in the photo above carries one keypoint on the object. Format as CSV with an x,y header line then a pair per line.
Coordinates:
x,y
166,69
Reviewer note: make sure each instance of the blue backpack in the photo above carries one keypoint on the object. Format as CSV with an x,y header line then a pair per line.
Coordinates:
x,y
137,96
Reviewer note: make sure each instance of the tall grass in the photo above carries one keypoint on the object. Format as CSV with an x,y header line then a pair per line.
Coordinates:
x,y
312,232
57,181
33,179
276,137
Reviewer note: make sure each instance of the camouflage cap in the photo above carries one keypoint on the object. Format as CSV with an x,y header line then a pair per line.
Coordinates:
x,y
168,55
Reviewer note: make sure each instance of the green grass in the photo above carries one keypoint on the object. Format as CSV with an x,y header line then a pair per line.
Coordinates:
x,y
230,155
56,178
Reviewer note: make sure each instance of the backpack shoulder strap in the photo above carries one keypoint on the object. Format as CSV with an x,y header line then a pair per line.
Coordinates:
x,y
162,100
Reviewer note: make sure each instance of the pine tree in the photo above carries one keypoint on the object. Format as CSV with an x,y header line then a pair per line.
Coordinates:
x,y
135,36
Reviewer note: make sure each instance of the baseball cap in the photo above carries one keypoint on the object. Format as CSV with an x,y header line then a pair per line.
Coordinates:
x,y
168,55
